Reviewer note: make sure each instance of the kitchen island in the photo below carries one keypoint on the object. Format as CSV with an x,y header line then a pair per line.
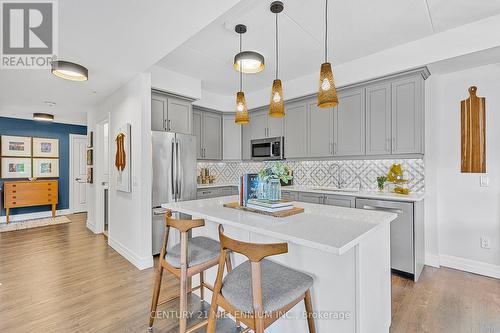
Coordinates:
x,y
347,251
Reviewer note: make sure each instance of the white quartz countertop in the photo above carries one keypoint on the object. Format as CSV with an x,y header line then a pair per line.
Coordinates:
x,y
326,228
412,197
201,186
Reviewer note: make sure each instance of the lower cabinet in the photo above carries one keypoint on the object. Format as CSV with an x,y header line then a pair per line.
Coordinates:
x,y
214,192
339,200
311,197
289,195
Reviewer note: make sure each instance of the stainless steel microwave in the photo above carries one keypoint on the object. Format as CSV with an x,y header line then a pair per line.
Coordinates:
x,y
268,149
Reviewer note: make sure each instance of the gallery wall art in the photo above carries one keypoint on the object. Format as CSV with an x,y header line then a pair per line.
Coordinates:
x,y
29,157
122,159
45,167
16,167
16,146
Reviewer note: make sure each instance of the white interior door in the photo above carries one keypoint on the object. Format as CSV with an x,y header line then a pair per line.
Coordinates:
x,y
79,168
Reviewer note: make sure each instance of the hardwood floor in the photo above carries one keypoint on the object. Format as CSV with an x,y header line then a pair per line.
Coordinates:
x,y
63,278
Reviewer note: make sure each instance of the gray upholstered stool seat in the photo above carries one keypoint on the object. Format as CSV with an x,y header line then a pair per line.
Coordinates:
x,y
280,286
200,250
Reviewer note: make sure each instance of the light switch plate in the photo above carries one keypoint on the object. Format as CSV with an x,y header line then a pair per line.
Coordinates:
x,y
484,181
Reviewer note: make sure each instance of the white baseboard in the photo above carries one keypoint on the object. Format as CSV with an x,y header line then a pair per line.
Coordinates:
x,y
432,260
140,263
471,266
91,227
32,216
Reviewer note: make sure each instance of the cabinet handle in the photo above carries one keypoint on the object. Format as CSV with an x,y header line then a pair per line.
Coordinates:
x,y
394,143
387,145
334,148
169,124
165,125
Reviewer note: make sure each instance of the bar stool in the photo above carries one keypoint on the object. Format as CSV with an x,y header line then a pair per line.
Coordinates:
x,y
258,292
185,260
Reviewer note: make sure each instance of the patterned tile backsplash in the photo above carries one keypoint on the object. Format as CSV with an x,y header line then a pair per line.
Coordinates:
x,y
326,173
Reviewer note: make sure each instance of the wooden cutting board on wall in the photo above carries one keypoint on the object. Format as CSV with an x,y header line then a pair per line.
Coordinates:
x,y
473,119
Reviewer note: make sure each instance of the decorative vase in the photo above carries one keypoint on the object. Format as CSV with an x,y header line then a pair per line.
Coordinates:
x,y
274,192
263,191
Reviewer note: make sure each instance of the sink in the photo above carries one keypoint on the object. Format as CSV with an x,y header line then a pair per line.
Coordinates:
x,y
335,189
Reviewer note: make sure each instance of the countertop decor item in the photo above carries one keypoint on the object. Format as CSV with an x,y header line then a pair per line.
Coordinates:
x,y
381,182
283,213
277,103
327,95
396,176
473,126
271,177
241,117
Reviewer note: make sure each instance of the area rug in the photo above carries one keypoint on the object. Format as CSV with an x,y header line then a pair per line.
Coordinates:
x,y
28,224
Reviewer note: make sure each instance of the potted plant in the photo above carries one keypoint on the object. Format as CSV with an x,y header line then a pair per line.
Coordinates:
x,y
271,177
381,182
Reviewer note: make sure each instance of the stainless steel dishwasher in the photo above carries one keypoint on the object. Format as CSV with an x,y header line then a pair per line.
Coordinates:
x,y
402,233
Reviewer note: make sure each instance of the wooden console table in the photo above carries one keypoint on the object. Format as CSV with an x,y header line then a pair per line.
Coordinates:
x,y
30,193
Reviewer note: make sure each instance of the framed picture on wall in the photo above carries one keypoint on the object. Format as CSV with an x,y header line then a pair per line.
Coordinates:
x,y
16,167
90,175
16,146
90,157
90,140
46,167
45,147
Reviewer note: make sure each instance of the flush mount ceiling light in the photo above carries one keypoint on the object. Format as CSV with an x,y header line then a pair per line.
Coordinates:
x,y
248,62
69,71
277,104
327,94
43,116
241,117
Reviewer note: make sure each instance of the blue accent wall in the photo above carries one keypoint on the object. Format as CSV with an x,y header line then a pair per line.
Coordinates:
x,y
22,127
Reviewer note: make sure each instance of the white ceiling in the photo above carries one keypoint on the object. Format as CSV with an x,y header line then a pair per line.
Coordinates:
x,y
357,29
115,39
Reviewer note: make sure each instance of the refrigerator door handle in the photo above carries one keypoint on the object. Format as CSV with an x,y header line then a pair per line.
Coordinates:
x,y
178,170
172,168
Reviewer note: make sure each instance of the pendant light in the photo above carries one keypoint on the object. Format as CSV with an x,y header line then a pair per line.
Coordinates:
x,y
248,62
241,117
327,94
277,104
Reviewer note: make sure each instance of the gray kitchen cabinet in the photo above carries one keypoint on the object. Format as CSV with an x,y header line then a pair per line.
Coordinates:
x,y
274,126
339,200
207,127
214,192
231,138
289,195
258,125
229,190
295,130
407,115
311,197
170,113
320,130
212,136
349,123
378,119
197,132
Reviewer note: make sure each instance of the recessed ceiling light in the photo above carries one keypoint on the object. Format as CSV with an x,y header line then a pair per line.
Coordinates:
x,y
43,116
69,71
50,103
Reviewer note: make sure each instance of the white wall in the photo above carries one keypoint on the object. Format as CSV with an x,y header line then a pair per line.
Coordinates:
x,y
170,81
458,211
130,213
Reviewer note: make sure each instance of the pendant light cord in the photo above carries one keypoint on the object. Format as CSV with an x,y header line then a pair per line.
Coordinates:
x,y
277,48
326,30
241,69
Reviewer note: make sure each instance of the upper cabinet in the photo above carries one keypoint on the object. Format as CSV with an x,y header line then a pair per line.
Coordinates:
x,y
207,127
407,115
231,138
378,119
295,129
349,123
320,130
170,113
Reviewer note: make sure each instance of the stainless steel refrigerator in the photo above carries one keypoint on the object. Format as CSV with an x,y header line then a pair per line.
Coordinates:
x,y
174,177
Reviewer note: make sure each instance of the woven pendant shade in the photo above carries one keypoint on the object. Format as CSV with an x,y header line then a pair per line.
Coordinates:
x,y
277,104
241,117
327,94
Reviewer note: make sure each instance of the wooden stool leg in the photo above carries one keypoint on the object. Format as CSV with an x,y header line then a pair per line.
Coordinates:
x,y
156,295
184,284
53,210
7,215
202,286
309,310
229,266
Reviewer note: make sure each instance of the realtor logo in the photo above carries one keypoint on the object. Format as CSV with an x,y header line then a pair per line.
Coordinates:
x,y
29,34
